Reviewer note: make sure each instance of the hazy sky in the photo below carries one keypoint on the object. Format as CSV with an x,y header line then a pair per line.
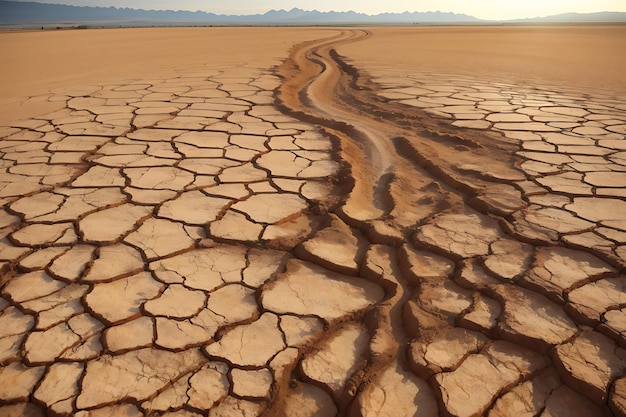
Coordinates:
x,y
484,9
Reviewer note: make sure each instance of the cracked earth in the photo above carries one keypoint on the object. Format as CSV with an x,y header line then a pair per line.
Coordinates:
x,y
315,240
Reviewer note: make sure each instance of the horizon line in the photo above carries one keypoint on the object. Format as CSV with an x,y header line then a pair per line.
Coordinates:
x,y
316,10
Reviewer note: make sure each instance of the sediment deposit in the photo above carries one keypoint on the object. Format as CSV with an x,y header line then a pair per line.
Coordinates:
x,y
324,237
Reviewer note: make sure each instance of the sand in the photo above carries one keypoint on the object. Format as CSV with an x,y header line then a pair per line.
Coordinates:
x,y
36,63
313,222
569,56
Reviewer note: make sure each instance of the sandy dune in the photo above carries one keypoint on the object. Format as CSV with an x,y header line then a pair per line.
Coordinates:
x,y
313,222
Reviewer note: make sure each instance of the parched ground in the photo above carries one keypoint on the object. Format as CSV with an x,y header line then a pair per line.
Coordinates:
x,y
313,222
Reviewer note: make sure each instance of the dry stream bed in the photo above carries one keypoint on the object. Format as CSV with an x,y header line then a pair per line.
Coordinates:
x,y
314,239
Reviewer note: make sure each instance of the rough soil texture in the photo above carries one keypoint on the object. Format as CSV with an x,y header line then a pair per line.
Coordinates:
x,y
325,237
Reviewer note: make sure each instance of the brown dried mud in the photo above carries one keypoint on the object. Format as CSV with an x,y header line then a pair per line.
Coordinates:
x,y
328,237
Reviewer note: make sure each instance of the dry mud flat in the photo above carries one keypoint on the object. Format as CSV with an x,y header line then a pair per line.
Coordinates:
x,y
233,239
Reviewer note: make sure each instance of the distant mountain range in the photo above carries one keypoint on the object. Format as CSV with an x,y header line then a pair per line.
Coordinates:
x,y
579,17
21,13
30,14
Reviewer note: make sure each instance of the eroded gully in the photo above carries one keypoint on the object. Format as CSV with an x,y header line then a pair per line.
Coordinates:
x,y
403,172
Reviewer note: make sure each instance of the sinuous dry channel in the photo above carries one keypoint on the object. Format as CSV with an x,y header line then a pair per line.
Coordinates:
x,y
324,237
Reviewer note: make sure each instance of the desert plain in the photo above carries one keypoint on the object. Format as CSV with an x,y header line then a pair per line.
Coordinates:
x,y
393,221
